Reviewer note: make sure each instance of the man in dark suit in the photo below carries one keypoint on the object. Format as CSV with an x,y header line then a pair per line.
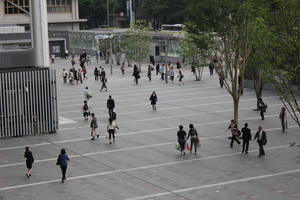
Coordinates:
x,y
246,138
110,106
261,140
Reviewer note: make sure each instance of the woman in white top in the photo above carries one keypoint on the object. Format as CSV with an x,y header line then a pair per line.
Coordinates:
x,y
111,129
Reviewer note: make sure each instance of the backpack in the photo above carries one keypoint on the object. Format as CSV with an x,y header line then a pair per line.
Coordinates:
x,y
85,107
114,116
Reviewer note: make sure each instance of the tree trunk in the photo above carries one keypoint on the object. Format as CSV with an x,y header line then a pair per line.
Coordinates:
x,y
118,58
236,110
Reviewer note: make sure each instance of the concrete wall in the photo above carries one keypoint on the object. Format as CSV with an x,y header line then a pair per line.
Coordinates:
x,y
55,19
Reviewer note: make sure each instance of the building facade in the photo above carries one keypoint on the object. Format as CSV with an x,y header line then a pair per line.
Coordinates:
x,y
62,14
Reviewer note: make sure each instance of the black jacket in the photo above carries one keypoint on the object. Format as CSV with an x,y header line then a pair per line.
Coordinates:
x,y
246,133
110,103
261,140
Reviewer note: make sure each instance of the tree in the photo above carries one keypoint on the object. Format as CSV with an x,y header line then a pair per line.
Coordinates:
x,y
230,25
164,11
196,57
137,43
260,60
95,11
284,21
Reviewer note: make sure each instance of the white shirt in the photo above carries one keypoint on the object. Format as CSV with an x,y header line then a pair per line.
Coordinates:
x,y
111,126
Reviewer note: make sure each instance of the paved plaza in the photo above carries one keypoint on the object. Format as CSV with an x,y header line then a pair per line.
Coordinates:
x,y
143,162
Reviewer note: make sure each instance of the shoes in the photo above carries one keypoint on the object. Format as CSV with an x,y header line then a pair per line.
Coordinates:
x,y
93,138
195,153
28,175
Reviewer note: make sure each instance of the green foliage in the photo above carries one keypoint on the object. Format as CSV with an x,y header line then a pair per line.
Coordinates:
x,y
137,42
95,10
195,56
164,11
284,21
230,26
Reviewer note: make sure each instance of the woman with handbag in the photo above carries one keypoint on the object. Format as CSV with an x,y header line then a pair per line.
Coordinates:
x,y
262,107
62,161
234,133
194,138
111,129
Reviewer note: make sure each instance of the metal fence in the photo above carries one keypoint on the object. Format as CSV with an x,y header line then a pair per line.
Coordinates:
x,y
28,102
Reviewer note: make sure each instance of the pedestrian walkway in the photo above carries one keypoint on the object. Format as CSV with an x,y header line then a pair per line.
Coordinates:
x,y
143,162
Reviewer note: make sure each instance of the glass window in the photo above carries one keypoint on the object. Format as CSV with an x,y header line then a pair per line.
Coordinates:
x,y
11,9
55,6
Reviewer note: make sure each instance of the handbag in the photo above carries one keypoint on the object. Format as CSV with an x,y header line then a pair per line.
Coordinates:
x,y
187,147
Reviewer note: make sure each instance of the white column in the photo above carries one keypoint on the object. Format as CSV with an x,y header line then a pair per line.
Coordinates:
x,y
39,31
132,17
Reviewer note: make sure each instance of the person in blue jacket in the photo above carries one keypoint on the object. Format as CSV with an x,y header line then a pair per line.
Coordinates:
x,y
62,161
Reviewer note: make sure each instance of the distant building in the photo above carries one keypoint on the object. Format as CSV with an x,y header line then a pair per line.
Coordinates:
x,y
62,14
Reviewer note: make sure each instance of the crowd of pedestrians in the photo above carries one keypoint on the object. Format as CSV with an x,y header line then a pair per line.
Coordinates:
x,y
185,141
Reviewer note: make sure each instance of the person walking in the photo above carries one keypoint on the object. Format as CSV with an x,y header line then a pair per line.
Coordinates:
x,y
97,55
181,138
111,129
194,138
62,161
123,69
261,138
221,78
52,58
103,79
94,126
65,76
29,160
149,72
136,74
172,73
162,72
153,99
87,94
234,133
262,107
283,119
79,76
157,69
96,74
86,110
246,138
211,68
71,77
110,106
84,71
180,76
66,54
